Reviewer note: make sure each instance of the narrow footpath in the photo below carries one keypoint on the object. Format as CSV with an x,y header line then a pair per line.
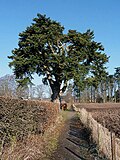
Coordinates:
x,y
74,142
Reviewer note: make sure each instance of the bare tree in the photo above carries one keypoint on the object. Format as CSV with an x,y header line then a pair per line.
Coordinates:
x,y
7,86
22,92
39,91
32,91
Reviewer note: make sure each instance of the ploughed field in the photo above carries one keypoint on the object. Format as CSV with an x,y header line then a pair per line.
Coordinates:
x,y
106,114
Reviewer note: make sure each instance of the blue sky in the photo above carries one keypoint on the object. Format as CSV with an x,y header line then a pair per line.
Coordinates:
x,y
101,16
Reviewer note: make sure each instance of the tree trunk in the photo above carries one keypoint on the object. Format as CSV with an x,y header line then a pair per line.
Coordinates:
x,y
115,92
79,96
55,92
55,87
91,94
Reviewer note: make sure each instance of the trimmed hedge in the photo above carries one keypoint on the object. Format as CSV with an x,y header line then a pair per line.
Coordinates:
x,y
19,118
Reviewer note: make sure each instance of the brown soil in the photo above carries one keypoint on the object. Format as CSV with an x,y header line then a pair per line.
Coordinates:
x,y
74,142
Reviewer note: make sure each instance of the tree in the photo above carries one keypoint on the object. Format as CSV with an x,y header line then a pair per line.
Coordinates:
x,y
22,92
40,91
79,86
110,83
32,90
44,49
7,86
117,79
68,97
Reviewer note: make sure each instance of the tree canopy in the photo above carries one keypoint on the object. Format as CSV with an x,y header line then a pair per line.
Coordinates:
x,y
45,49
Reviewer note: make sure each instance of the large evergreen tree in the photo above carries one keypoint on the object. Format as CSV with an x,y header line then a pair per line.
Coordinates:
x,y
44,49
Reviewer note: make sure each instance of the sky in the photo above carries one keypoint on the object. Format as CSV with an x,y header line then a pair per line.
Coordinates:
x,y
101,16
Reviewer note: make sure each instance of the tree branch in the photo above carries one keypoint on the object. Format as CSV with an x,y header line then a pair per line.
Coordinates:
x,y
51,48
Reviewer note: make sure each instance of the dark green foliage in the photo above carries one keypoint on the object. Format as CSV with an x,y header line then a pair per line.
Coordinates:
x,y
117,80
117,76
44,49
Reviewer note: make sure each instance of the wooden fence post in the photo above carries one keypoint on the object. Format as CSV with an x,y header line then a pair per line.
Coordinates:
x,y
87,119
113,150
98,131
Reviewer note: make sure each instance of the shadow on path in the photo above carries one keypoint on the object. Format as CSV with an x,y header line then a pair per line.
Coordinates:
x,y
74,141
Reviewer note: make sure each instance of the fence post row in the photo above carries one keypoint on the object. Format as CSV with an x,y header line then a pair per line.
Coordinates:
x,y
87,119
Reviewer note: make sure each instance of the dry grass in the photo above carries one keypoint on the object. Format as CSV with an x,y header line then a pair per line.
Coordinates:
x,y
107,114
109,118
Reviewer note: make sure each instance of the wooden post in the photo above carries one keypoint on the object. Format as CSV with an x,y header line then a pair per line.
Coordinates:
x,y
113,146
88,119
98,128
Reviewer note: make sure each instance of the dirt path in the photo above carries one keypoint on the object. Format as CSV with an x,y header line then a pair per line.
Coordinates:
x,y
74,141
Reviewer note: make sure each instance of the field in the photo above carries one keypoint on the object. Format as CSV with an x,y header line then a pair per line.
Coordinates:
x,y
106,114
